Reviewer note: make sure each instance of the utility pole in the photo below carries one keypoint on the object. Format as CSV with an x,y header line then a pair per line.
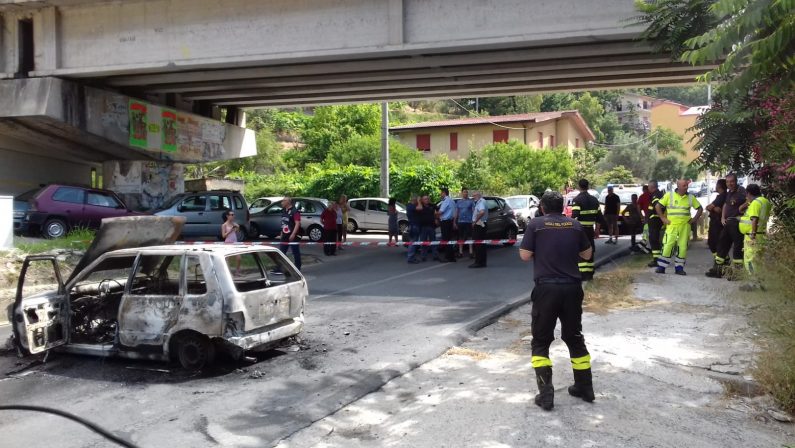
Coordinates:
x,y
384,149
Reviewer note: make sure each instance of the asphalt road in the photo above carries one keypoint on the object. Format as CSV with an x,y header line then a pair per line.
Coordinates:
x,y
371,317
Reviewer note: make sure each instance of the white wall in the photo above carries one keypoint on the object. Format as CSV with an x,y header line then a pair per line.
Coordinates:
x,y
20,172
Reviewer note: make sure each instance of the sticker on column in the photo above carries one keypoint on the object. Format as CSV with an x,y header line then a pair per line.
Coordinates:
x,y
138,128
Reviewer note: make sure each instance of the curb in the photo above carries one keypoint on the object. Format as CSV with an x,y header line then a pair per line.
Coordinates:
x,y
491,316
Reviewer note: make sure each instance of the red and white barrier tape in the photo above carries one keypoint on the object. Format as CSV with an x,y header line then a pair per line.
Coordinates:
x,y
354,243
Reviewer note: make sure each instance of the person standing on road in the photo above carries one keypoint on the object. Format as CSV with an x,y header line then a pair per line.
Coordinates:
x,y
479,230
414,229
715,224
392,218
462,221
329,220
612,204
753,225
556,243
730,237
446,215
342,212
291,224
655,224
674,211
585,209
427,217
632,220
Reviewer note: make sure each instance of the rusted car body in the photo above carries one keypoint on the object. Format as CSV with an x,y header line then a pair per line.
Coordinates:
x,y
135,295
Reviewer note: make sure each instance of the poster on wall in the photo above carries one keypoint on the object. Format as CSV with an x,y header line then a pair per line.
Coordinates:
x,y
138,124
169,118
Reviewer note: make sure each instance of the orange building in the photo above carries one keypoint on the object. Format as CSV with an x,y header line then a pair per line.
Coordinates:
x,y
678,118
457,138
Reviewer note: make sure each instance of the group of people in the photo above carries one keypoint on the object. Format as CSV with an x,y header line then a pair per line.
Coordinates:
x,y
467,216
335,225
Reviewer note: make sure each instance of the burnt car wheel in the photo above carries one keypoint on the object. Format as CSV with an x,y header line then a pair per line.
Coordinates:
x,y
511,235
194,351
403,227
315,233
55,228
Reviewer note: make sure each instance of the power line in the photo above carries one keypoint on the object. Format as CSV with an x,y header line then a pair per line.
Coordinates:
x,y
480,116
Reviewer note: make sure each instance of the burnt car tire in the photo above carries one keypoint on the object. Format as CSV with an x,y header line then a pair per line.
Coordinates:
x,y
403,227
194,351
253,231
315,233
55,228
511,234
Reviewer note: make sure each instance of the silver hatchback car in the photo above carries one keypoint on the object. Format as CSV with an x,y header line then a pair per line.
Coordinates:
x,y
131,296
371,214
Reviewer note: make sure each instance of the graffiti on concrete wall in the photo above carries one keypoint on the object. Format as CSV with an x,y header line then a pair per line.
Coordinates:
x,y
126,177
144,185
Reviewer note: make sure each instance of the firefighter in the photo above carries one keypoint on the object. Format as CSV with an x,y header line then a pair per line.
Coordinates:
x,y
654,223
730,238
585,209
556,243
753,224
674,211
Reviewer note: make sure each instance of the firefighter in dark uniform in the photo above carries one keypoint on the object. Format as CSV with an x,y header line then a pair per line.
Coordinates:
x,y
655,224
556,244
585,209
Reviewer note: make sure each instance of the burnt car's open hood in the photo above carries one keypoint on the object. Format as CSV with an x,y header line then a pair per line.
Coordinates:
x,y
130,231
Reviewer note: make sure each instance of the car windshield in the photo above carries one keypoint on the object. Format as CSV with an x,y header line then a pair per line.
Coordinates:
x,y
171,202
516,203
28,195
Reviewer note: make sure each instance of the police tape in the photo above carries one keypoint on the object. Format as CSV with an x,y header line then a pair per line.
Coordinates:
x,y
353,243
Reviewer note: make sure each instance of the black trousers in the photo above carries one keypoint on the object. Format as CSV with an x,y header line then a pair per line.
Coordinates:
x,y
730,240
655,237
586,266
550,303
330,236
447,235
479,233
713,235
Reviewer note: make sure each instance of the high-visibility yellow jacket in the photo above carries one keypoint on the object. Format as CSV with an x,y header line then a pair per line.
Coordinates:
x,y
677,208
758,208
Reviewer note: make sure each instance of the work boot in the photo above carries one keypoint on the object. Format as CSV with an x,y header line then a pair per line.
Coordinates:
x,y
583,386
733,273
659,270
679,270
546,392
652,263
716,271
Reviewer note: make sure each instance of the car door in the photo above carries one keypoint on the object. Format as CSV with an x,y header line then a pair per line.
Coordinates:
x,y
265,295
377,217
194,208
270,220
68,202
358,210
497,216
40,319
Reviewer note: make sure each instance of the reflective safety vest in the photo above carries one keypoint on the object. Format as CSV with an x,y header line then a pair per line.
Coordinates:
x,y
758,208
677,208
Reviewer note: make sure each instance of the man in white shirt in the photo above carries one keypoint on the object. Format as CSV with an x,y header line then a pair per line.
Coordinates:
x,y
481,217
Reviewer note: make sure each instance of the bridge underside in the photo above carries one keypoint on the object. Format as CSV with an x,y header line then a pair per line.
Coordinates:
x,y
309,52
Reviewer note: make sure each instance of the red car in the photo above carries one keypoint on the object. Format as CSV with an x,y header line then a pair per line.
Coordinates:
x,y
56,208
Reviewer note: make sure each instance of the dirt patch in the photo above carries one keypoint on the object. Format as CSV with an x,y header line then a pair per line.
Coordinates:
x,y
461,351
611,290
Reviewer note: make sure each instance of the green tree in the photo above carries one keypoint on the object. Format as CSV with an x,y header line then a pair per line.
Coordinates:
x,y
515,167
473,173
617,175
632,152
668,142
332,125
585,162
689,96
365,150
668,168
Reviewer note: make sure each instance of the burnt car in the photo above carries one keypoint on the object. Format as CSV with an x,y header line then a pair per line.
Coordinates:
x,y
135,295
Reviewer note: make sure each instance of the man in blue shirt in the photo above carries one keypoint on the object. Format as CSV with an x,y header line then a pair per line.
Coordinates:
x,y
446,213
462,221
480,218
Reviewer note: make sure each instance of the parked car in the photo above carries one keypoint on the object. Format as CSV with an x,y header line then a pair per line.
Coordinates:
x,y
204,212
56,209
132,297
268,222
259,204
698,189
371,214
22,205
500,225
524,207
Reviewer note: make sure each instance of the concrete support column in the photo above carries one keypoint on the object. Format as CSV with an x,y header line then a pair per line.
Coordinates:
x,y
385,149
6,222
45,38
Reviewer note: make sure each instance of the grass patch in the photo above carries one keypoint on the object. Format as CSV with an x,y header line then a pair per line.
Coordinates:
x,y
774,316
613,289
77,239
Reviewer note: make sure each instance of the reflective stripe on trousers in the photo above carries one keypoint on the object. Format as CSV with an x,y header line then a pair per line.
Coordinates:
x,y
676,235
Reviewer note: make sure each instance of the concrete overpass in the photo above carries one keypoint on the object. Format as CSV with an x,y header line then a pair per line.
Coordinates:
x,y
307,52
212,58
